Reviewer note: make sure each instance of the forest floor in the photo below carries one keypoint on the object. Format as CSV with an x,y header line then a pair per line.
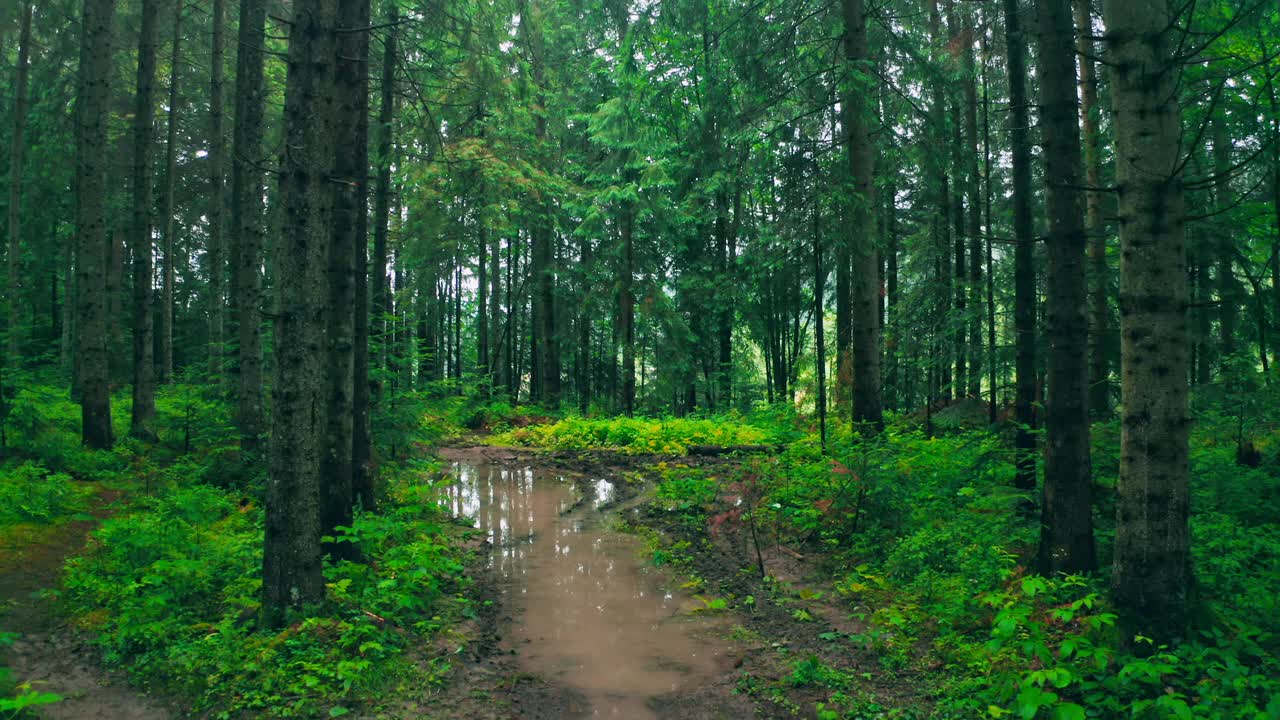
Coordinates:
x,y
48,653
794,615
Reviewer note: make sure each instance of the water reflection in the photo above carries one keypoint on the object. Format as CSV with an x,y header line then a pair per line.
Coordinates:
x,y
588,613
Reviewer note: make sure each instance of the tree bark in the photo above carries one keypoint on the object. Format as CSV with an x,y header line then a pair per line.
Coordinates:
x,y
350,129
865,280
1152,569
247,220
1024,291
141,242
292,576
1066,529
382,195
165,369
93,94
13,285
1095,227
217,179
1228,288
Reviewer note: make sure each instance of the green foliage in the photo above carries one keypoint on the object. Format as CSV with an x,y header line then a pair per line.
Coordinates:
x,y
30,493
171,589
671,436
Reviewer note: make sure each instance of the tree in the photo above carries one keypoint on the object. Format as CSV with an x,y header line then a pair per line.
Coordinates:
x,y
865,283
168,271
17,148
1095,229
217,179
93,92
350,131
142,242
291,570
1024,311
1151,572
247,220
1066,537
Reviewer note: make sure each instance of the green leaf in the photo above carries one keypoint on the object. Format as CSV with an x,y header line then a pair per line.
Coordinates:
x,y
1068,711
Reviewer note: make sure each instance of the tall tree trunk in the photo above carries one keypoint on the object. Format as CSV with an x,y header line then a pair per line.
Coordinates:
x,y
165,371
819,296
974,217
865,280
292,566
247,220
1152,567
13,281
141,243
93,94
1024,291
350,131
627,311
217,178
1066,534
382,193
1095,227
992,355
1228,290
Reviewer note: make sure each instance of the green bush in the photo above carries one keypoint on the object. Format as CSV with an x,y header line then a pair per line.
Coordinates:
x,y
172,588
30,493
670,436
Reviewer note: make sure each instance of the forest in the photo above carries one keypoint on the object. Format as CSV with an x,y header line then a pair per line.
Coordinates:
x,y
833,359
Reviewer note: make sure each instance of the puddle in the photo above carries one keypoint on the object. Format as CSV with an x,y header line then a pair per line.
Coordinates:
x,y
589,614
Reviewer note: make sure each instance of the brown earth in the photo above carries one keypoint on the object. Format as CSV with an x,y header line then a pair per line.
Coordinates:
x,y
49,654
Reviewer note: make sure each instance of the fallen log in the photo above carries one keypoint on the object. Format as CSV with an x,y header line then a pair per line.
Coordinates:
x,y
729,449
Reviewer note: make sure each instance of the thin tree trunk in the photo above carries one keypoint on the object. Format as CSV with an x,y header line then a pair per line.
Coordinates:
x,y
247,221
13,284
292,576
1228,293
382,194
93,94
217,179
1152,567
1066,534
1095,228
1024,311
974,217
142,244
165,371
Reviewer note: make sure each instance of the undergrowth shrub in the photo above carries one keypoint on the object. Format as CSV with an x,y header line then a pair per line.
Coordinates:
x,y
670,436
30,493
172,591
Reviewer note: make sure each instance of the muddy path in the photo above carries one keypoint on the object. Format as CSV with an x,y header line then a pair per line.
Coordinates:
x,y
579,624
49,654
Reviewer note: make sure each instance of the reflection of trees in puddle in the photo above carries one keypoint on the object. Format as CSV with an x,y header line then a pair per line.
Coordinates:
x,y
589,613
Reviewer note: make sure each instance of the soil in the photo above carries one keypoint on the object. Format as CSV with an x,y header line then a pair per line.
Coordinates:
x,y
768,637
49,654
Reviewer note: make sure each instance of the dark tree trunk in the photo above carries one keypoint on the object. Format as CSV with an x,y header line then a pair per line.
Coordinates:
x,y
1151,575
1095,228
1024,291
13,284
1066,535
93,94
247,220
382,197
165,369
1228,288
217,176
292,576
144,388
350,131
865,280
